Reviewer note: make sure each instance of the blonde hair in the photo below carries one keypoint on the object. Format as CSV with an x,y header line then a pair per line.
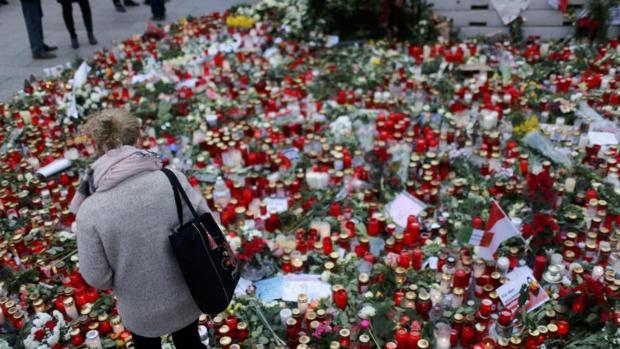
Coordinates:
x,y
112,128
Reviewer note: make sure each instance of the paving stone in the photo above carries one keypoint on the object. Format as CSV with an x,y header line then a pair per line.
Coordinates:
x,y
16,62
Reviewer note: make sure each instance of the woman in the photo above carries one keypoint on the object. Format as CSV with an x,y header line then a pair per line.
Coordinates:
x,y
125,212
67,15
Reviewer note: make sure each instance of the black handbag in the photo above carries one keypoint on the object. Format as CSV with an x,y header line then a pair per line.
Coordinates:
x,y
208,264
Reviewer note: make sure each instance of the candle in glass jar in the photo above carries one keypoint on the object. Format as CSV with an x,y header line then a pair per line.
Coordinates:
x,y
92,340
442,336
563,328
285,314
117,325
302,302
70,308
417,258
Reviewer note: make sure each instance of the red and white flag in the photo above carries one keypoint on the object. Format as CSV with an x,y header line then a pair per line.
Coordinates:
x,y
499,228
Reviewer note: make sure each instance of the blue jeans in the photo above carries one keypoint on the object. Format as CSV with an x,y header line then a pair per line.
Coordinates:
x,y
158,8
33,14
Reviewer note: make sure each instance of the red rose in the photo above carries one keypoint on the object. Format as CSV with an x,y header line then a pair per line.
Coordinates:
x,y
50,325
39,335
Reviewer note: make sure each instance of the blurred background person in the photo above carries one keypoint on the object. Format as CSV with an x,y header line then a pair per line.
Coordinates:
x,y
128,3
158,9
33,16
67,15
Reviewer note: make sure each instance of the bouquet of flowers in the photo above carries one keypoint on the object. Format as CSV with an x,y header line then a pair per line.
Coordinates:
x,y
47,332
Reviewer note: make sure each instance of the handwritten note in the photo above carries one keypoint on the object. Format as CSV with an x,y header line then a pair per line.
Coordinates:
x,y
278,205
403,206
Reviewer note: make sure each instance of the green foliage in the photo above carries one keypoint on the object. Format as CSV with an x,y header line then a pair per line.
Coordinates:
x,y
354,19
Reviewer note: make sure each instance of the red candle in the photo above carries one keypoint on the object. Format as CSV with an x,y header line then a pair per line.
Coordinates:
x,y
420,146
339,295
373,227
467,336
402,338
414,337
405,259
540,263
563,328
477,222
485,307
417,258
460,279
505,317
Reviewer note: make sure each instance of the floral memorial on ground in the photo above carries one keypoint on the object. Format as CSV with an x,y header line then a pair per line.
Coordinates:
x,y
379,194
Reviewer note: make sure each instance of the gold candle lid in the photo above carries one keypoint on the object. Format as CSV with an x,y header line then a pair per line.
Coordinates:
x,y
225,340
423,344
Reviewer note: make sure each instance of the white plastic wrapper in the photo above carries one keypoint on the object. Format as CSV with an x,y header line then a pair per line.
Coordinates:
x,y
537,141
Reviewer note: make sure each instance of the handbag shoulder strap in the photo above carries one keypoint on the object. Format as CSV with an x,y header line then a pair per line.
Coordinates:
x,y
178,194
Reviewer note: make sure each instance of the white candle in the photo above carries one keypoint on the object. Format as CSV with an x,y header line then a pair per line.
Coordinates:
x,y
92,340
503,264
426,52
285,314
597,272
325,229
443,343
489,119
117,325
442,336
569,185
70,308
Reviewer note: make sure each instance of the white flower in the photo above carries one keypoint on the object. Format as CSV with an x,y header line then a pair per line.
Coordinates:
x,y
367,312
234,242
368,295
341,128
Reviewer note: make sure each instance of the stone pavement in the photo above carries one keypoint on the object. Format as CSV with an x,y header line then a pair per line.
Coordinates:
x,y
16,63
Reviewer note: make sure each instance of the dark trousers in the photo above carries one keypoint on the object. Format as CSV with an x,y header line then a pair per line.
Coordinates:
x,y
67,15
185,338
33,14
158,8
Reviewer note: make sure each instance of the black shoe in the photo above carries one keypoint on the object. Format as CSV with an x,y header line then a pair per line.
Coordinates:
x,y
74,42
49,48
131,3
43,55
120,8
4,2
92,39
158,18
147,2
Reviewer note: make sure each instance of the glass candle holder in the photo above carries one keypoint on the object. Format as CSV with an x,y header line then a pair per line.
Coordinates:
x,y
442,336
92,340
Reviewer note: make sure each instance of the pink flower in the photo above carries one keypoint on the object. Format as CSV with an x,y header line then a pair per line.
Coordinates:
x,y
364,324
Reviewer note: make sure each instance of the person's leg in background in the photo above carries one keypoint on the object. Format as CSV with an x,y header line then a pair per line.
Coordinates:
x,y
131,3
67,16
119,7
32,16
187,337
140,342
88,20
158,8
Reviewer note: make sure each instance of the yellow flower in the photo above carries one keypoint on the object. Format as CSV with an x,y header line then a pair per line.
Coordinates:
x,y
243,22
182,21
529,125
375,60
